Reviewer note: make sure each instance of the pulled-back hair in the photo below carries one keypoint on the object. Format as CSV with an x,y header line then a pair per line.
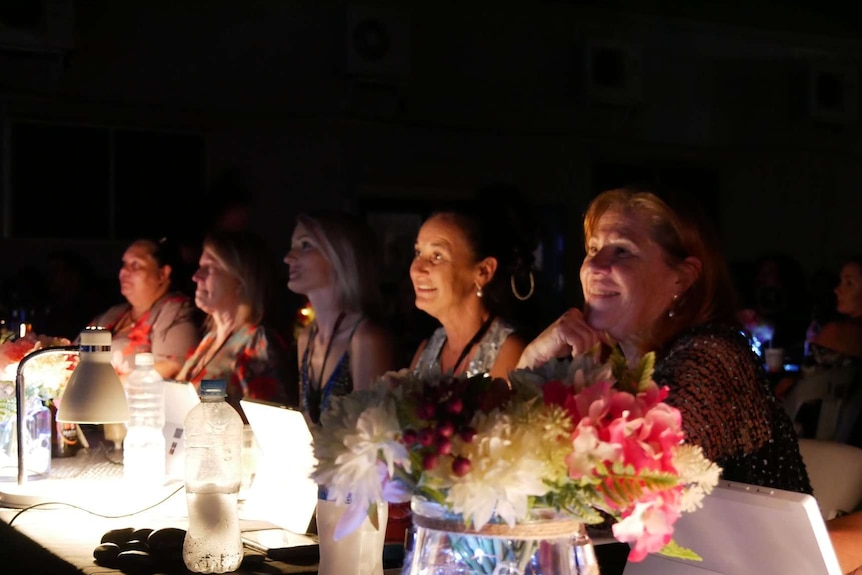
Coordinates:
x,y
681,229
247,256
491,232
350,246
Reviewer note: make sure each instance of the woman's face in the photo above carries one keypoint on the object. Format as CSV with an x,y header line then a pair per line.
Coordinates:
x,y
443,270
309,268
849,291
218,290
141,279
627,282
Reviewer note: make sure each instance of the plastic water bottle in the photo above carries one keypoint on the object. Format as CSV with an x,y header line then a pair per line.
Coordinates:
x,y
144,444
213,442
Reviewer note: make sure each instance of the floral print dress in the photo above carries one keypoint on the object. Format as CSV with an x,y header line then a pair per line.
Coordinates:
x,y
253,362
168,330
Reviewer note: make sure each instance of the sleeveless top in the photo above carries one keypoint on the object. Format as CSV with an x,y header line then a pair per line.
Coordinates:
x,y
486,351
313,402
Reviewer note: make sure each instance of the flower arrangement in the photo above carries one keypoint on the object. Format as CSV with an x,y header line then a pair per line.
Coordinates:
x,y
46,376
586,437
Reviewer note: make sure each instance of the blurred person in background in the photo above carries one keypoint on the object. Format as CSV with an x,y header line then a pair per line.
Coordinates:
x,y
154,317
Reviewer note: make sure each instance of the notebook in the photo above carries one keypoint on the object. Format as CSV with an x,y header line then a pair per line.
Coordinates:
x,y
749,530
282,492
180,397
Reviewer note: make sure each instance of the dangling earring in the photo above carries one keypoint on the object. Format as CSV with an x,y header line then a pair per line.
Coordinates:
x,y
672,312
479,292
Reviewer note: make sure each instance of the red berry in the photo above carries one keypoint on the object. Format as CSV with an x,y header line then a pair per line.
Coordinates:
x,y
461,466
444,446
467,434
446,429
426,410
408,437
426,437
455,405
429,461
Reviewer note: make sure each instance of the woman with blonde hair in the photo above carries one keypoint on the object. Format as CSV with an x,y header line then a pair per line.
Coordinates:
x,y
235,285
334,262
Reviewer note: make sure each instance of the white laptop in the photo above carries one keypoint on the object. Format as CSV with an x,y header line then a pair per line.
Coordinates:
x,y
282,492
749,530
180,397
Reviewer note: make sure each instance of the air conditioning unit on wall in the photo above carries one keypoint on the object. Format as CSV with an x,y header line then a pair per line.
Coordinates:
x,y
35,36
613,72
833,92
378,42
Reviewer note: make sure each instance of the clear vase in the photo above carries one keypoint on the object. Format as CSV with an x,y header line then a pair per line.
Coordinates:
x,y
549,543
358,553
37,441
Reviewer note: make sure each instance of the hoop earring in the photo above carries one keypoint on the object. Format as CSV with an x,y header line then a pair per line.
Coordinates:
x,y
515,288
672,312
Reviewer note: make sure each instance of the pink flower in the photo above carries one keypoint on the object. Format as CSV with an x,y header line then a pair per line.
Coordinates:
x,y
649,525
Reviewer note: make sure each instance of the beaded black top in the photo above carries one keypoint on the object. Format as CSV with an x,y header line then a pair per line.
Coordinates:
x,y
729,409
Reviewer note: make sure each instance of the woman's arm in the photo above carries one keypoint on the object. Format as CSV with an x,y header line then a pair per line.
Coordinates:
x,y
371,354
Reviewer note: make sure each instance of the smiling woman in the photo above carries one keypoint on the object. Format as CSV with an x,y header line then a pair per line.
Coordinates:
x,y
654,280
462,273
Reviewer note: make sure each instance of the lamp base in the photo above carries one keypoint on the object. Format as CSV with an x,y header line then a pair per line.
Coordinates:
x,y
36,492
106,496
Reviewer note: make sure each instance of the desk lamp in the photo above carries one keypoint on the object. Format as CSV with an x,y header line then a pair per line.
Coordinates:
x,y
94,394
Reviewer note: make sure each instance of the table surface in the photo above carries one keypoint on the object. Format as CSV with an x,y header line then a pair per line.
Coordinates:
x,y
72,534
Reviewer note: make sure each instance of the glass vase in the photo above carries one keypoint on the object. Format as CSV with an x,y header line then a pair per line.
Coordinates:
x,y
37,440
549,543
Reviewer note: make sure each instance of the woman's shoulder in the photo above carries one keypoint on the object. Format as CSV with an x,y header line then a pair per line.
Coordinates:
x,y
843,336
173,301
265,335
710,339
371,332
109,315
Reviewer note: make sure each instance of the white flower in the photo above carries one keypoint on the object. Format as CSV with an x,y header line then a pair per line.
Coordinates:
x,y
699,473
353,437
507,468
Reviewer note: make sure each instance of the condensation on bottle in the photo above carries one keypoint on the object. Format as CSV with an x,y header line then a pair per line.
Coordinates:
x,y
144,444
213,472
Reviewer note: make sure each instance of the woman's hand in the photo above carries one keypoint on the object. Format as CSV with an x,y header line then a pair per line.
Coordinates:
x,y
570,334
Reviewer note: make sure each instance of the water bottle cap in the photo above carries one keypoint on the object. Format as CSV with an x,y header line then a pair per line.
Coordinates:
x,y
213,388
144,359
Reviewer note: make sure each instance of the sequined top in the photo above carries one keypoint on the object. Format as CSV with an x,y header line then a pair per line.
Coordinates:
x,y
484,358
729,408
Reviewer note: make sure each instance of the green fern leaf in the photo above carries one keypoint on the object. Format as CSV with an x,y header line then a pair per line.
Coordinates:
x,y
679,552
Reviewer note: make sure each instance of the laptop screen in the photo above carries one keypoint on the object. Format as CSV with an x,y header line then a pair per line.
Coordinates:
x,y
749,530
282,492
180,397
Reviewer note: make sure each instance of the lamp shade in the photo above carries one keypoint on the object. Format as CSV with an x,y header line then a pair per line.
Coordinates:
x,y
94,393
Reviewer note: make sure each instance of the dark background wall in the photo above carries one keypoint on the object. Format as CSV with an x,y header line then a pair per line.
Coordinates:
x,y
113,113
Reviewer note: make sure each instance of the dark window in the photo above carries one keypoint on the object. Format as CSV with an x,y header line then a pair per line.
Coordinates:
x,y
60,181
